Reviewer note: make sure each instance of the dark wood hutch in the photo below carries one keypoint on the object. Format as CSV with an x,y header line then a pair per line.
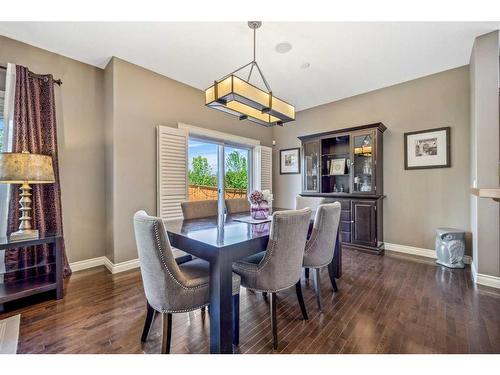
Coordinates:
x,y
346,165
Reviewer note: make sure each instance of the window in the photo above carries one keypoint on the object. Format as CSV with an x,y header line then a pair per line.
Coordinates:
x,y
236,172
7,89
193,161
203,170
2,100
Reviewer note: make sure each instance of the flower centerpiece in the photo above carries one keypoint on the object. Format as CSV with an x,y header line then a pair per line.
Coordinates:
x,y
260,203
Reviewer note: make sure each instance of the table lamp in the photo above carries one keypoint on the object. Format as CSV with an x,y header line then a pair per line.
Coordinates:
x,y
25,168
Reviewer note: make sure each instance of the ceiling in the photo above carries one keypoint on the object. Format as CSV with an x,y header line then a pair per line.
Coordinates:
x,y
345,59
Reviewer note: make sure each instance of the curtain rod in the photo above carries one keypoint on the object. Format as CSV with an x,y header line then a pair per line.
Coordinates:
x,y
56,81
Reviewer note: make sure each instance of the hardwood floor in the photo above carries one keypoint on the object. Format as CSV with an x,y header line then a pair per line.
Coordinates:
x,y
387,304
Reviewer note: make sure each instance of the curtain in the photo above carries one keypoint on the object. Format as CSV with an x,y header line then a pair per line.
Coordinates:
x,y
35,131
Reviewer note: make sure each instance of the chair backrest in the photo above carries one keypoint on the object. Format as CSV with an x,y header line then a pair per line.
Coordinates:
x,y
199,209
321,244
281,266
237,205
161,276
311,202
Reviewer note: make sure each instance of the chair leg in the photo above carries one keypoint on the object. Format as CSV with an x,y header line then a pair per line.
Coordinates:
x,y
317,287
274,323
306,273
236,319
150,317
332,278
167,333
300,297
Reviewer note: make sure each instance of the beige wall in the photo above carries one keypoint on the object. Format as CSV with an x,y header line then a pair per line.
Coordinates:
x,y
417,201
484,159
143,100
79,107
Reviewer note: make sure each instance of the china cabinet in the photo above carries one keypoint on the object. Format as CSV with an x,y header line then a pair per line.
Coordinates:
x,y
346,165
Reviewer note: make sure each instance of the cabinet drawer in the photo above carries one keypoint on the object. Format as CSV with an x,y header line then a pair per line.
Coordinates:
x,y
345,215
345,237
345,226
345,204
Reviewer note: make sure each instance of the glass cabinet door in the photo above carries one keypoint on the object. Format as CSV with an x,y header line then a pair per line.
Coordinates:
x,y
364,168
311,166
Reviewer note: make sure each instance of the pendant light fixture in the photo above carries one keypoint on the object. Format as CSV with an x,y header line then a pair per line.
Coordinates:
x,y
237,96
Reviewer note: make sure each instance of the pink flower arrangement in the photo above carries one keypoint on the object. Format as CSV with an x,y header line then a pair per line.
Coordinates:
x,y
256,197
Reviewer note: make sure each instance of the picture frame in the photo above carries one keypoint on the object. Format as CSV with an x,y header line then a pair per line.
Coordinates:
x,y
290,161
426,149
337,167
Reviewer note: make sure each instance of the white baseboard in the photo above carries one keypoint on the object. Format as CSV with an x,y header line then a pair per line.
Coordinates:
x,y
104,261
87,263
122,266
428,253
486,280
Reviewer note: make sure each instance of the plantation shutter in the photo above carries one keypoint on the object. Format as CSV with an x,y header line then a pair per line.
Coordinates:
x,y
172,159
266,170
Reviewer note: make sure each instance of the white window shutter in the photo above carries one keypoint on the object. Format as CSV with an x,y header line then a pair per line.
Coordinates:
x,y
266,168
172,159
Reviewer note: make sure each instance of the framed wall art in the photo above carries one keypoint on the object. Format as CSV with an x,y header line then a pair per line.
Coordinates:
x,y
427,149
290,161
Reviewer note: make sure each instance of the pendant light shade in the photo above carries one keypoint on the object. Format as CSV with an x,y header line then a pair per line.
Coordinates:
x,y
236,96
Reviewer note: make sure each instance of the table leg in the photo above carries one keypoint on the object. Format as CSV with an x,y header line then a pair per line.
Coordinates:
x,y
221,317
335,267
59,268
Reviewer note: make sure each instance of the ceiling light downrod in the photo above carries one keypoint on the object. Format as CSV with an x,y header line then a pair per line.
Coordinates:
x,y
238,97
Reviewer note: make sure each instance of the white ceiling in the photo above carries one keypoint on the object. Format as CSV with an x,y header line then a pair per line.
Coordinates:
x,y
345,59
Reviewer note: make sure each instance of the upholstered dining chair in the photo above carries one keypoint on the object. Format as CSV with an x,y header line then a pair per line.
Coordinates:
x,y
194,210
312,203
237,205
169,287
199,209
279,267
320,246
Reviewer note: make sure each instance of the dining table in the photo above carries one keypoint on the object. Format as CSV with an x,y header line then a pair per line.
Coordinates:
x,y
222,240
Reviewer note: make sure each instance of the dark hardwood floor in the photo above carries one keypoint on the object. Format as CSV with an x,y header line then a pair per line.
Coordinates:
x,y
388,304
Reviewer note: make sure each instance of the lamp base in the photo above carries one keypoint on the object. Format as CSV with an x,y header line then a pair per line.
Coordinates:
x,y
26,234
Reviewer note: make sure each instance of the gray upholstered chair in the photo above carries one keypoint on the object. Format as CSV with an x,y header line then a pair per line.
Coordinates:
x,y
280,266
199,209
312,203
237,205
195,210
169,287
320,246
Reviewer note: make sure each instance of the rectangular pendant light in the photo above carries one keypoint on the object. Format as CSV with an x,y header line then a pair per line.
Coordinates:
x,y
235,96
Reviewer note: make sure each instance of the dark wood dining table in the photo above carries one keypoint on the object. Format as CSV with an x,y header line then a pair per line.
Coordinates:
x,y
221,241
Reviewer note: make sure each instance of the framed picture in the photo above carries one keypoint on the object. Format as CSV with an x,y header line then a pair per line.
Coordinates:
x,y
290,161
428,149
337,166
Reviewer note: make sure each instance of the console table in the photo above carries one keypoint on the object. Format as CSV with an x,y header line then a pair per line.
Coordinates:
x,y
39,284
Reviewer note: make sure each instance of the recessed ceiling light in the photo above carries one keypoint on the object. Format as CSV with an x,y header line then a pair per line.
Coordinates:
x,y
305,65
283,47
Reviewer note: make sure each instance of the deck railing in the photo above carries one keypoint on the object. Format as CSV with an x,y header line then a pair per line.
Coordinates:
x,y
202,193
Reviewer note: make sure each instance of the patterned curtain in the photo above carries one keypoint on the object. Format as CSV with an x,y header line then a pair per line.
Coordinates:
x,y
35,131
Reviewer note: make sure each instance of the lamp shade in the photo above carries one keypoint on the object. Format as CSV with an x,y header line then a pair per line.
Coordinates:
x,y
18,168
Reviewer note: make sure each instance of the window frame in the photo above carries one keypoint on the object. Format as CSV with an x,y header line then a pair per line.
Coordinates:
x,y
222,168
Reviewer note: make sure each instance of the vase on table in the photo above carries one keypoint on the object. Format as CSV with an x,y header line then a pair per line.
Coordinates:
x,y
259,211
